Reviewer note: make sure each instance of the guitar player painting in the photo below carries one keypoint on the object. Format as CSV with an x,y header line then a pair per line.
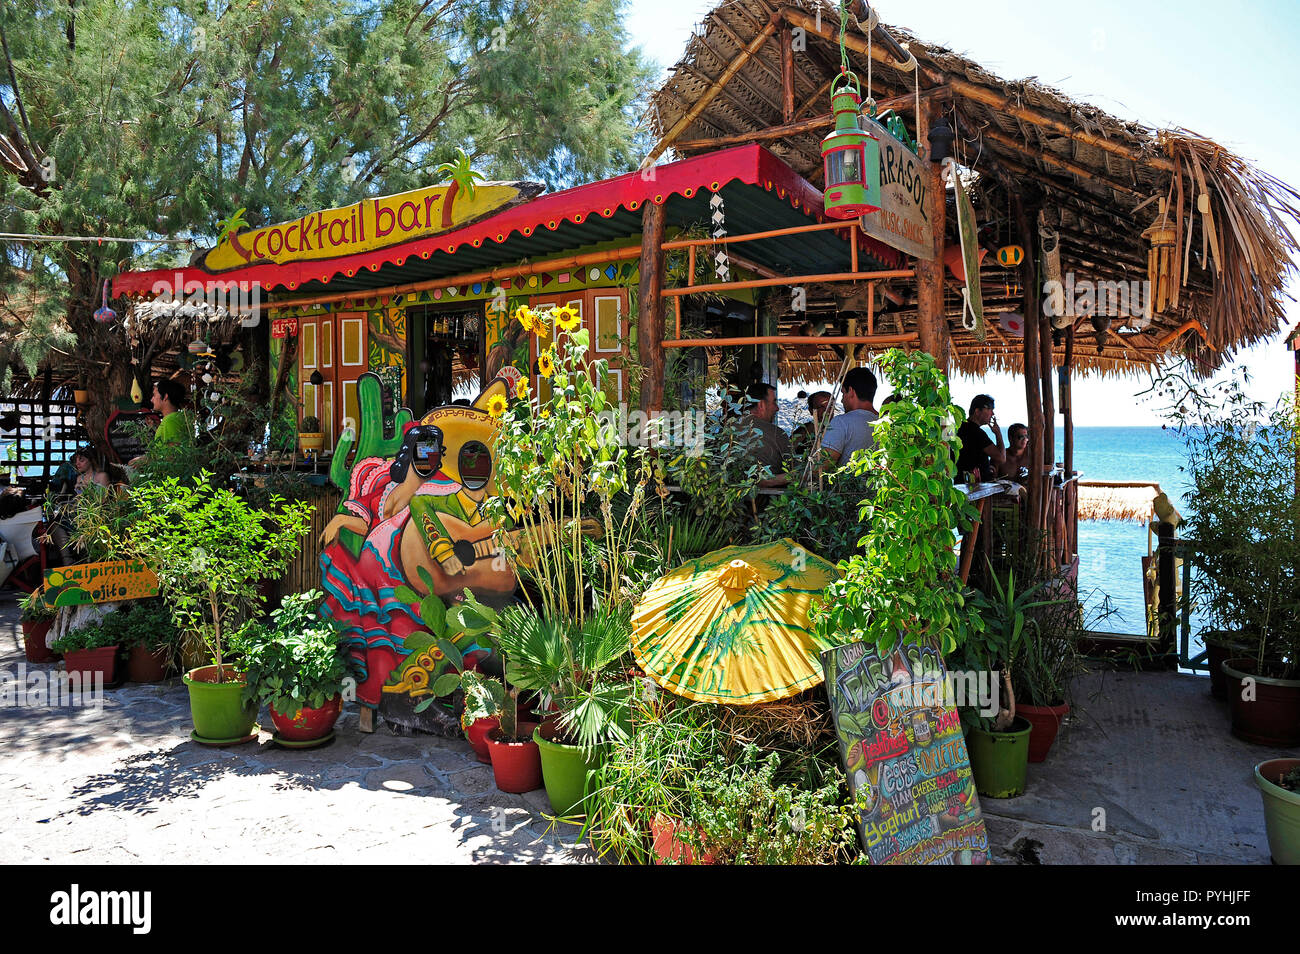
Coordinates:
x,y
411,527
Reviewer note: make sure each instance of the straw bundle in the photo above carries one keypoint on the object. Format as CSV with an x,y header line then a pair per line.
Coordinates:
x,y
1130,500
803,721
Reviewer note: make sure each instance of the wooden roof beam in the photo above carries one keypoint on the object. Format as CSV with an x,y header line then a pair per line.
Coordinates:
x,y
710,94
979,94
1053,160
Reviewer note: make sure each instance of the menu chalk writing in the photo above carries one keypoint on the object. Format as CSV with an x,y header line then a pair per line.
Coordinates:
x,y
905,755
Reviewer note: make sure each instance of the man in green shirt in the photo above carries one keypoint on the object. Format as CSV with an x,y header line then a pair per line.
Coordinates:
x,y
168,399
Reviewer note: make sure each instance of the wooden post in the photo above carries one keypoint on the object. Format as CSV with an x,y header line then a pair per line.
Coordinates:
x,y
931,321
1034,293
1032,359
1067,425
787,73
650,319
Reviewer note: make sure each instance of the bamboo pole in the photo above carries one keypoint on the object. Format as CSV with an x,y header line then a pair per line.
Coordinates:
x,y
495,274
1067,422
744,342
787,73
710,94
790,280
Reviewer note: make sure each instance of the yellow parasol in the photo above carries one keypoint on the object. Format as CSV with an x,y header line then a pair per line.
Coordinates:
x,y
732,626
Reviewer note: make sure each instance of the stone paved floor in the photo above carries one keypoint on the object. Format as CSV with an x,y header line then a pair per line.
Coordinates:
x,y
126,784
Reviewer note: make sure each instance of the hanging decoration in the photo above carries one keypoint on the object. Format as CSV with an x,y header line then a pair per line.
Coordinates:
x,y
1010,256
972,300
721,263
1161,261
850,153
104,314
1013,323
1054,303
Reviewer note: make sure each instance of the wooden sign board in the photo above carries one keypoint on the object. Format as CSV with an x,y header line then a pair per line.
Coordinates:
x,y
284,327
110,582
121,434
902,222
905,757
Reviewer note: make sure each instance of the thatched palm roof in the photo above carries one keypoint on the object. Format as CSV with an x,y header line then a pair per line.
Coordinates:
x,y
1095,177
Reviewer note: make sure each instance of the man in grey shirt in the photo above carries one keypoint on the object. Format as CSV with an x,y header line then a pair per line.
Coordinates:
x,y
851,430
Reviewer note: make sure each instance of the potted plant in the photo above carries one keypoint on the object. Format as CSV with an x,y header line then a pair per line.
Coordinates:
x,y
1279,786
89,651
310,436
294,664
146,629
516,761
210,549
37,618
1243,518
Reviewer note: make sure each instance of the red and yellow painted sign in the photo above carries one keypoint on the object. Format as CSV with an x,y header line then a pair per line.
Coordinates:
x,y
99,583
368,225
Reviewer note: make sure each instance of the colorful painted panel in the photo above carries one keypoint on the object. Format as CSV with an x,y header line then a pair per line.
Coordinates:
x,y
905,756
408,539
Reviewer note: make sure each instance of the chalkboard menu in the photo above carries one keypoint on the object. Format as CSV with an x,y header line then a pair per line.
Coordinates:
x,y
121,434
903,749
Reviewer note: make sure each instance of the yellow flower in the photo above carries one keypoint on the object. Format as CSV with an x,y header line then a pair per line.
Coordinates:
x,y
496,405
521,389
546,363
566,318
546,412
526,317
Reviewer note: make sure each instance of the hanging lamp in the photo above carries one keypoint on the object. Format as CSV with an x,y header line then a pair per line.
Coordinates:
x,y
851,155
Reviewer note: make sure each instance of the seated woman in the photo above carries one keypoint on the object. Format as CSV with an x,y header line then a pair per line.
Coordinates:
x,y
90,469
1016,463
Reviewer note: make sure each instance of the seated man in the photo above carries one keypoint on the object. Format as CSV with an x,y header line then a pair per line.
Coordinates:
x,y
851,431
978,454
774,445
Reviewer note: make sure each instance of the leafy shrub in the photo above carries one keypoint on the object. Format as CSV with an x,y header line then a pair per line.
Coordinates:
x,y
144,623
90,636
296,660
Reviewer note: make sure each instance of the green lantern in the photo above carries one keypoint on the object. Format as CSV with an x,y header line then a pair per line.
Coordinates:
x,y
851,155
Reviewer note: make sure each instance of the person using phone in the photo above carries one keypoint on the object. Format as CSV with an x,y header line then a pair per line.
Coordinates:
x,y
980,454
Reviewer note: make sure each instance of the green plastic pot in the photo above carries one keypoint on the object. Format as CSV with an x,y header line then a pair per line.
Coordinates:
x,y
220,715
1281,811
999,760
565,772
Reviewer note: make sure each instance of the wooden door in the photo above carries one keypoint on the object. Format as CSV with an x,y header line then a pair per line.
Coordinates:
x,y
604,314
335,346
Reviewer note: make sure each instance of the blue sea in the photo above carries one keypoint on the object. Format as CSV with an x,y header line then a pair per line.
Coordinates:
x,y
1110,552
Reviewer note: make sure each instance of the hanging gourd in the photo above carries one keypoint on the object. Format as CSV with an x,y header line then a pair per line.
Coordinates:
x,y
104,314
1161,261
851,155
1010,256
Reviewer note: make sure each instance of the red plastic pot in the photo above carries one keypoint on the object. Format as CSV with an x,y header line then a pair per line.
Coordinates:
x,y
307,725
1044,722
668,848
145,666
517,766
88,662
477,736
34,641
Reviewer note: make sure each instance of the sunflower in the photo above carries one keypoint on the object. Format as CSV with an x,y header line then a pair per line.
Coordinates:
x,y
566,318
546,363
521,389
526,317
496,405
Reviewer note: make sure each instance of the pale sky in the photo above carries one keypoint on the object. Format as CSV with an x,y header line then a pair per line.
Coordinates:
x,y
1223,71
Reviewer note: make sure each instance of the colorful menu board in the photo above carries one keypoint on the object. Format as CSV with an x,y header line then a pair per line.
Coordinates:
x,y
905,756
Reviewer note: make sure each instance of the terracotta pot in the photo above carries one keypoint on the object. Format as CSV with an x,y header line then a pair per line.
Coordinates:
x,y
517,766
1272,717
1045,722
307,725
145,666
89,662
311,440
34,645
668,848
477,736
